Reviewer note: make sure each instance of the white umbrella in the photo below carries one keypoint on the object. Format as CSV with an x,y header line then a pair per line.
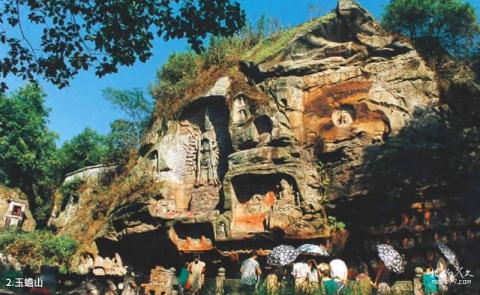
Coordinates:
x,y
450,255
393,260
311,249
282,255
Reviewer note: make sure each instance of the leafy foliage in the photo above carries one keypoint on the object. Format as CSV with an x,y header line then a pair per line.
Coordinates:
x,y
70,189
123,140
86,149
79,35
126,135
27,148
453,23
177,74
38,248
132,102
186,74
335,224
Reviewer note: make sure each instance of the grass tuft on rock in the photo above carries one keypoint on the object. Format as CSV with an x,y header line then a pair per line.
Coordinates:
x,y
187,75
270,47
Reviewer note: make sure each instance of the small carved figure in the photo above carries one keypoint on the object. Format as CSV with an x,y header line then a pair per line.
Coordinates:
x,y
118,268
223,225
241,113
170,205
89,263
117,260
286,193
69,208
255,204
108,265
342,118
207,156
98,269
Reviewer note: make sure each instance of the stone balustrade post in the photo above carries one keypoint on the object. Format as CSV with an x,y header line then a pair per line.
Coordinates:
x,y
220,282
417,282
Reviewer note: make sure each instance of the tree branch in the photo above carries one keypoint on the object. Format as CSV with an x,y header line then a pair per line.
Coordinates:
x,y
23,33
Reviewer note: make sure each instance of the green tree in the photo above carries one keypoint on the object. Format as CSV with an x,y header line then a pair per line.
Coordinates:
x,y
122,139
85,149
79,35
126,134
134,104
27,148
452,23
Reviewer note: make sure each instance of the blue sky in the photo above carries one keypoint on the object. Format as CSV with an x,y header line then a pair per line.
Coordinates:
x,y
81,104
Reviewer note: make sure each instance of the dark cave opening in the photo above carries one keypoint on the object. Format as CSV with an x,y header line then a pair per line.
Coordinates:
x,y
246,186
194,230
263,124
144,251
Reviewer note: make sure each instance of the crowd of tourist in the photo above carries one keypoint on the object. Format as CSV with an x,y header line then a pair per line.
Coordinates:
x,y
319,275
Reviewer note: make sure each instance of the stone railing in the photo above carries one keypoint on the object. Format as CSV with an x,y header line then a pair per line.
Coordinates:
x,y
96,171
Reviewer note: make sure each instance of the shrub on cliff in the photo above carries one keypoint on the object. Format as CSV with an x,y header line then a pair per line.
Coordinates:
x,y
38,248
187,74
177,74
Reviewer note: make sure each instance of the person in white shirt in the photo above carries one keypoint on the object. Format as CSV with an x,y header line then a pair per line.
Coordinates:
x,y
313,277
339,272
197,273
300,273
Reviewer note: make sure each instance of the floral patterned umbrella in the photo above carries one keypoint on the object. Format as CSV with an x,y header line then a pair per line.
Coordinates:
x,y
282,255
393,260
311,249
450,255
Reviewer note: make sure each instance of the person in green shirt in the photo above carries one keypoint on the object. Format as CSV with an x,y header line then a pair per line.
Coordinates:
x,y
429,281
329,285
183,279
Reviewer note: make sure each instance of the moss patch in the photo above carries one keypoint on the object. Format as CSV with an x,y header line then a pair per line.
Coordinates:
x,y
272,46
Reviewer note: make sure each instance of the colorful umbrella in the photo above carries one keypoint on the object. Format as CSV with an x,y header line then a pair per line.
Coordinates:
x,y
450,255
393,260
310,249
282,255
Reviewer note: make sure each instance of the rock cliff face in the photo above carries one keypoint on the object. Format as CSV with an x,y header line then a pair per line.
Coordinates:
x,y
251,157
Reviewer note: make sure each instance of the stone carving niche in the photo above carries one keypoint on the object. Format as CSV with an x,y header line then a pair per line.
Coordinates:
x,y
255,124
344,116
191,159
264,127
192,237
15,214
263,202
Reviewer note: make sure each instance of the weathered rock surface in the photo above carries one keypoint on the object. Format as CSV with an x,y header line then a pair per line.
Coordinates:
x,y
238,165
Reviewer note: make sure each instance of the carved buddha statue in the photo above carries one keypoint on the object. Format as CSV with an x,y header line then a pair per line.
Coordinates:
x,y
207,156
